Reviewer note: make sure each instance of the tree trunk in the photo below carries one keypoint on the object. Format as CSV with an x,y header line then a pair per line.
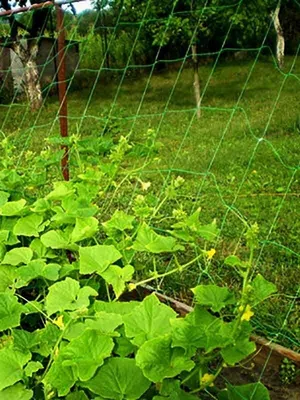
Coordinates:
x,y
280,44
196,80
27,52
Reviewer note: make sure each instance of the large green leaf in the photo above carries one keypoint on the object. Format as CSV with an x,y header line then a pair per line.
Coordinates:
x,y
61,217
120,308
19,255
4,233
24,340
7,226
117,277
41,251
16,392
8,275
119,222
84,228
32,367
10,311
123,347
170,389
149,320
251,391
3,197
119,379
200,329
77,396
234,261
86,353
45,339
241,347
79,207
40,206
261,289
149,241
67,295
104,322
61,190
209,232
11,366
97,258
74,330
158,360
60,377
12,208
35,269
2,251
55,240
29,226
213,296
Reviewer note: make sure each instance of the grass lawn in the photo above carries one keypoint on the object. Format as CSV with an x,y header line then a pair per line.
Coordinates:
x,y
239,160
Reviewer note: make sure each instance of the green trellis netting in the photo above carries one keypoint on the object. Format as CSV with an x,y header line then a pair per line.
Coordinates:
x,y
239,160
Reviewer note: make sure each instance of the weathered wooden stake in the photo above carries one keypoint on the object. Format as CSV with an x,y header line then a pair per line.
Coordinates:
x,y
62,90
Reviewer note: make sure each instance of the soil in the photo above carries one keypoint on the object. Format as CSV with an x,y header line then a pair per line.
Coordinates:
x,y
264,367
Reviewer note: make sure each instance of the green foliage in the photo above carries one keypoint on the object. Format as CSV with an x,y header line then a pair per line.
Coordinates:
x,y
288,371
64,331
120,378
254,391
213,296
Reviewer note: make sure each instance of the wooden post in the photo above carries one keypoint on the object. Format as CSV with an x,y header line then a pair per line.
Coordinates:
x,y
62,89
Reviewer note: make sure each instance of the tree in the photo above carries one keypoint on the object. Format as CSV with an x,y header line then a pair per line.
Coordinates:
x,y
280,43
253,20
166,23
27,47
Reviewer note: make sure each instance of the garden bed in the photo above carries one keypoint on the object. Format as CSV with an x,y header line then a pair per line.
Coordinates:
x,y
265,365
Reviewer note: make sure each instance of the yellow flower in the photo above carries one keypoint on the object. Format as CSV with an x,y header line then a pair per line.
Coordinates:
x,y
59,322
207,380
210,253
145,185
131,286
247,314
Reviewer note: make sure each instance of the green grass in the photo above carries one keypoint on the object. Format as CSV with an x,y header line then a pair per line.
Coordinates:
x,y
241,158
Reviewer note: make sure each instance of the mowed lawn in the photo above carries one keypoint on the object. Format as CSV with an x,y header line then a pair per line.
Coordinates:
x,y
240,160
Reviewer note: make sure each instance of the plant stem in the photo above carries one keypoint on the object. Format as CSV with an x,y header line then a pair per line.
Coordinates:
x,y
55,348
245,284
159,206
190,375
172,271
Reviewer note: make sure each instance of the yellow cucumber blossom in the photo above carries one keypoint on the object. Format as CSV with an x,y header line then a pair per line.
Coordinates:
x,y
247,314
207,380
59,322
145,185
210,253
131,287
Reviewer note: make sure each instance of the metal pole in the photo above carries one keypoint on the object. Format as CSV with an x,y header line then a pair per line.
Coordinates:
x,y
62,89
